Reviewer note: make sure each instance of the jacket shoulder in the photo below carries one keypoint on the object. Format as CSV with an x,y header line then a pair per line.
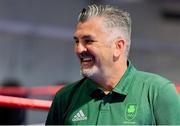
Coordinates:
x,y
151,78
68,89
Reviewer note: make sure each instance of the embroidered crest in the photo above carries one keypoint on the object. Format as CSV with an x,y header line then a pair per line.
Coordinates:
x,y
130,111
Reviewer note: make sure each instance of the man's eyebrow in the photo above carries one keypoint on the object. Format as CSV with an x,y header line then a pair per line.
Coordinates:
x,y
84,37
87,37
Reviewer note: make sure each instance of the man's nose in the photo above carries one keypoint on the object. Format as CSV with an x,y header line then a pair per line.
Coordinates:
x,y
79,48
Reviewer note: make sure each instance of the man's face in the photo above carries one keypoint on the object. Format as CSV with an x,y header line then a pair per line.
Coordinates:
x,y
94,47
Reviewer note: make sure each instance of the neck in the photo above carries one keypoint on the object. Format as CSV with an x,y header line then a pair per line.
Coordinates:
x,y
108,81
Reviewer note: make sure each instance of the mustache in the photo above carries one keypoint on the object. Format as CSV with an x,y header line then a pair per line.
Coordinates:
x,y
85,55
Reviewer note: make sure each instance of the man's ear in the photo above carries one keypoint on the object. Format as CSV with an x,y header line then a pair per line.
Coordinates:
x,y
119,47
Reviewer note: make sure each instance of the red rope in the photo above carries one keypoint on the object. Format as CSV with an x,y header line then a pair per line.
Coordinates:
x,y
24,102
178,88
37,90
34,103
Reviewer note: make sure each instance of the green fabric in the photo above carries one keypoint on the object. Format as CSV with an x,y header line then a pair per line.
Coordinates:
x,y
139,98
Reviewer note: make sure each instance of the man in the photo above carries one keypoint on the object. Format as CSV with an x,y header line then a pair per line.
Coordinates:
x,y
112,90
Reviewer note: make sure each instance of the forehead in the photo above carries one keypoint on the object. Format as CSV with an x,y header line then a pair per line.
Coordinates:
x,y
92,27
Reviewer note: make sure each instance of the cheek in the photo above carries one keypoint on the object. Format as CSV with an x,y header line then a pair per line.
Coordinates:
x,y
92,50
76,52
107,55
100,52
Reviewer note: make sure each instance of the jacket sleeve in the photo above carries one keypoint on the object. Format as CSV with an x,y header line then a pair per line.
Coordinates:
x,y
167,106
54,117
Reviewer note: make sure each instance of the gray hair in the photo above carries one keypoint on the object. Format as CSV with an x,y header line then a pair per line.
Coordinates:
x,y
114,18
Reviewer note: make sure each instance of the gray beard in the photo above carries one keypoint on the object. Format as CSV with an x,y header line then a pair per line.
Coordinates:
x,y
90,72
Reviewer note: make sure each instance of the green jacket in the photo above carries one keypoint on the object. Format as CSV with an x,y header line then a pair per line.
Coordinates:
x,y
140,98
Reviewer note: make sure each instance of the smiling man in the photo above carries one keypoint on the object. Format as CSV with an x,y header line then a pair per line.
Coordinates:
x,y
112,91
101,52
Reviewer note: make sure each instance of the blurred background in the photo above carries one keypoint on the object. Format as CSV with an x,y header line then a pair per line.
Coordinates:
x,y
36,41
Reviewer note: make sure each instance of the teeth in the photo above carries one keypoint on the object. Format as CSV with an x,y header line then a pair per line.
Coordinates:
x,y
87,59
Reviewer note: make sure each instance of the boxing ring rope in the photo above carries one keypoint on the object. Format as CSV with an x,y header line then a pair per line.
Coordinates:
x,y
10,101
178,88
19,102
37,90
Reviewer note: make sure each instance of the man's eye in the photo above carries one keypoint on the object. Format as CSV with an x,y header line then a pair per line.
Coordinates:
x,y
76,41
88,41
